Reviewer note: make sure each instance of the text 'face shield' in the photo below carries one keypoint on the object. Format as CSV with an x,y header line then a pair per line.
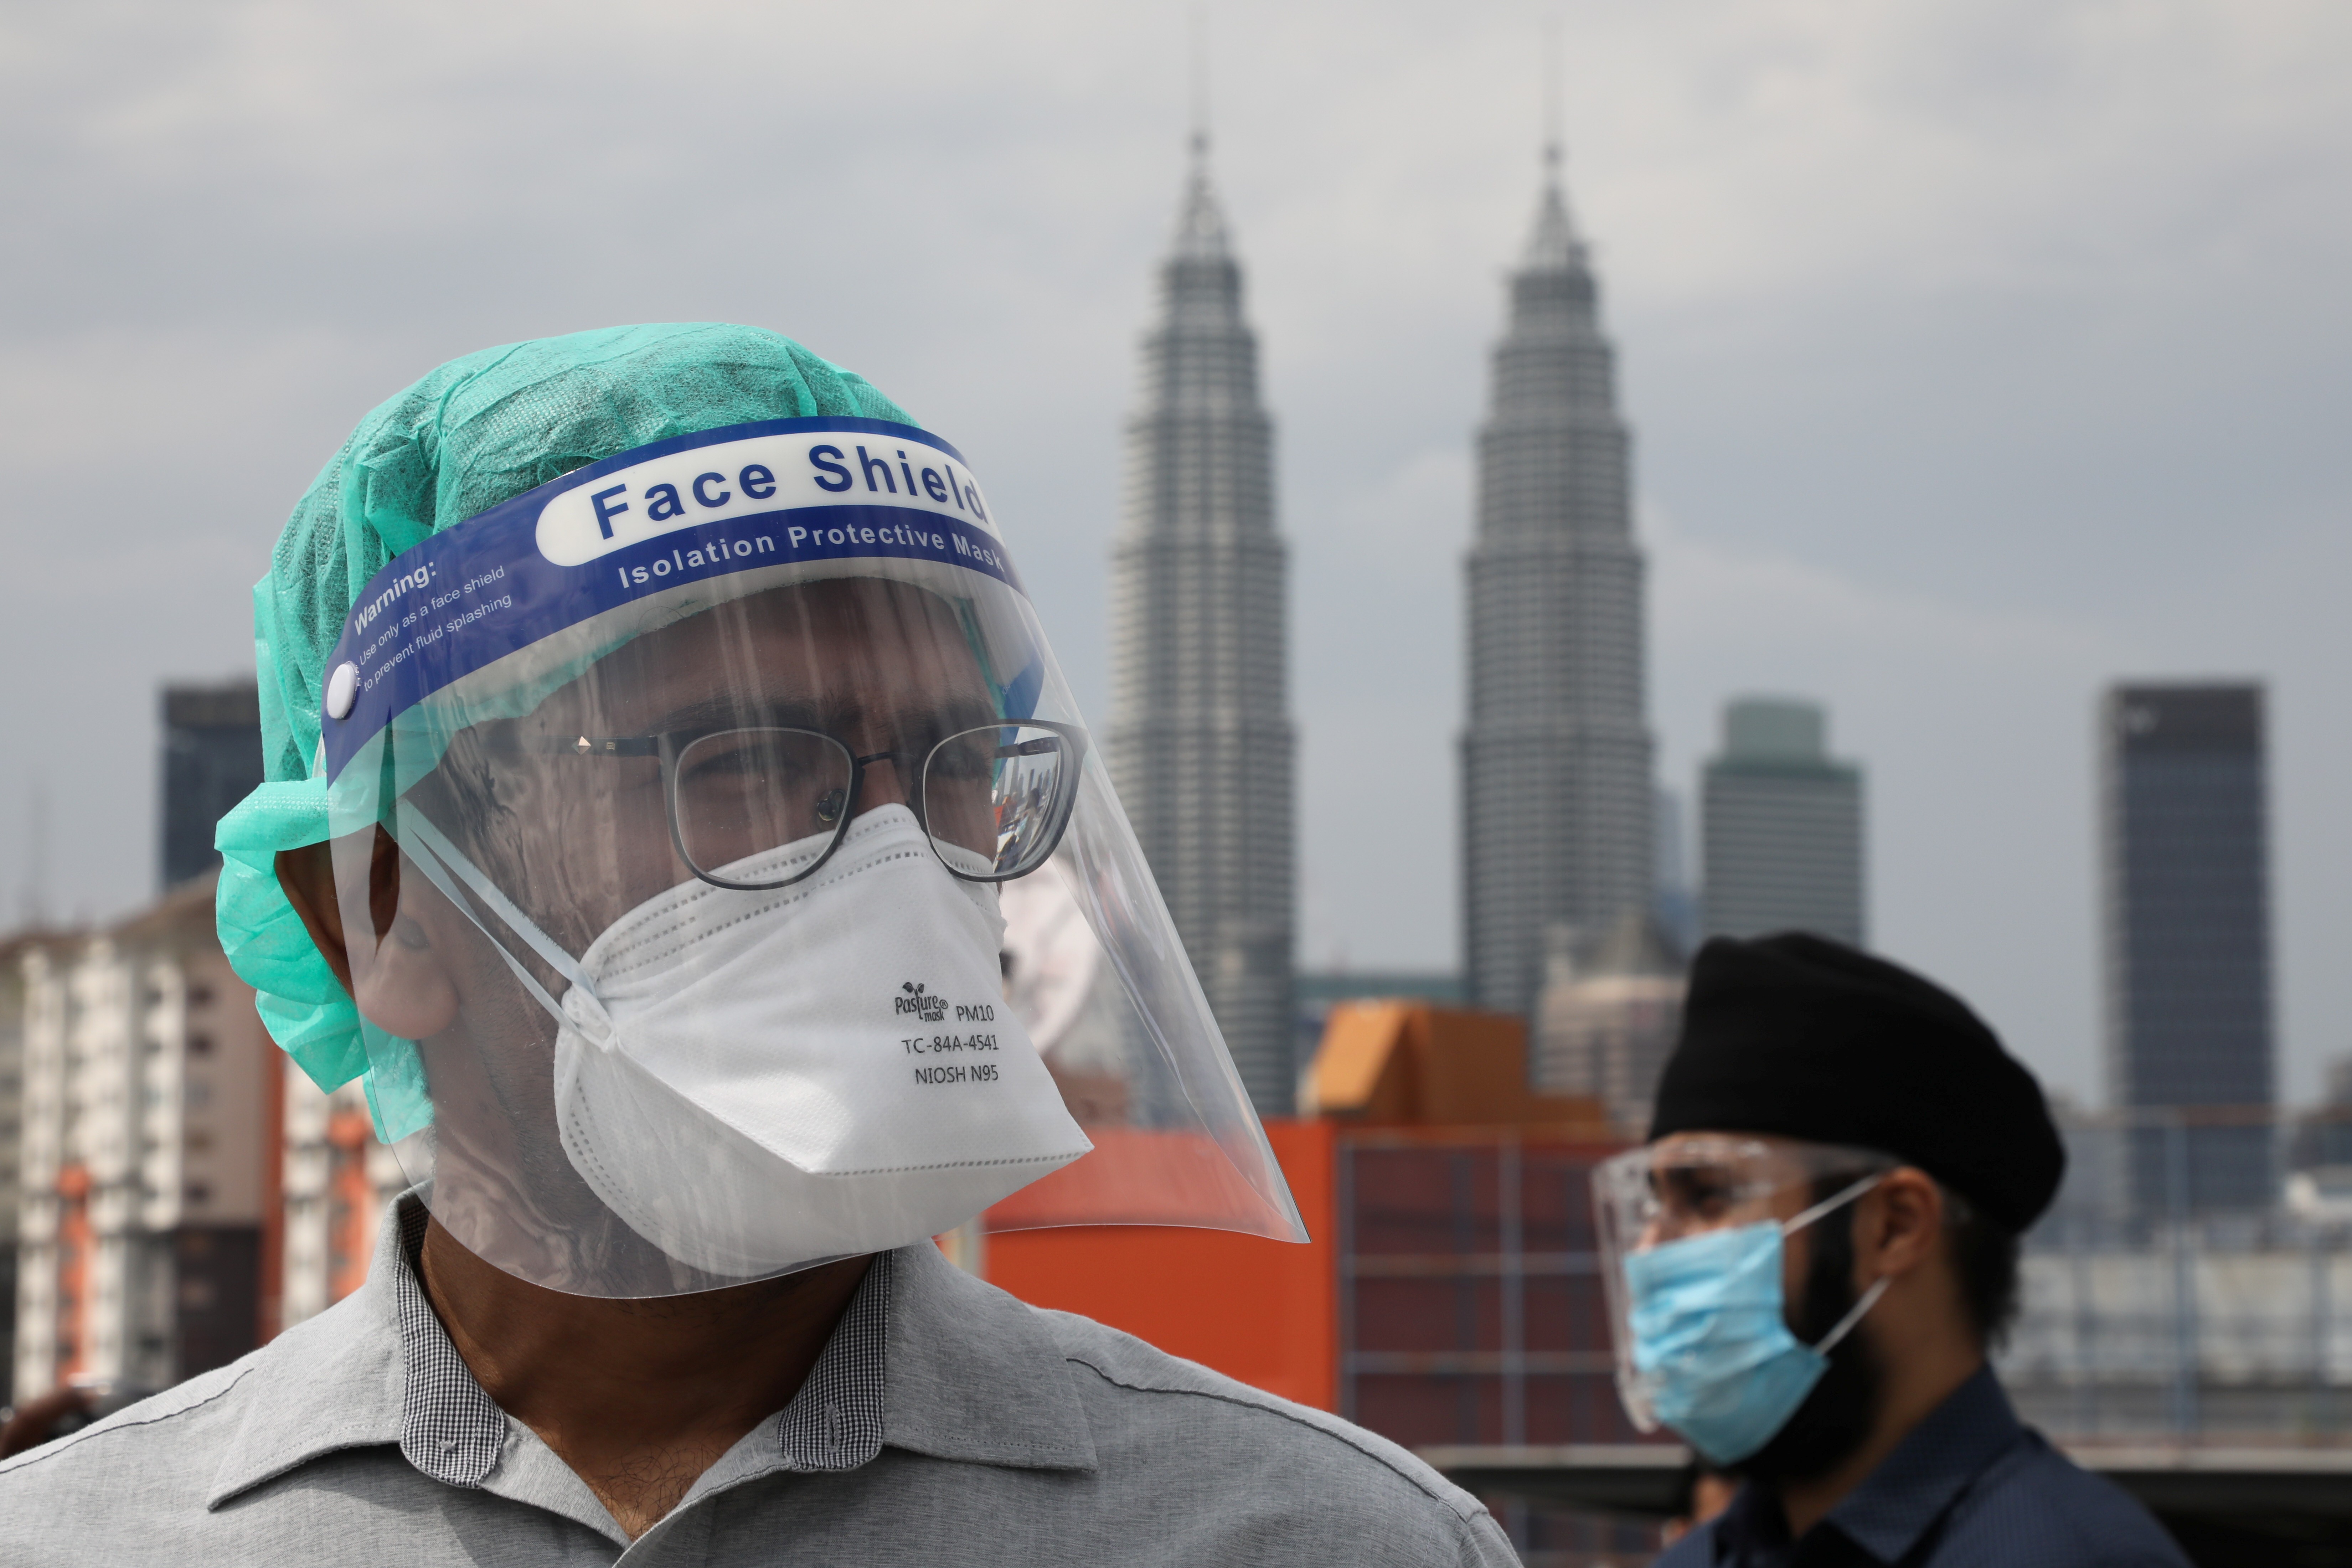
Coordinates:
x,y
687,799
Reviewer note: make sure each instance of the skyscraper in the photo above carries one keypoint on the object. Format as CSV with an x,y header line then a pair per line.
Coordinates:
x,y
1556,784
1199,742
2185,858
1782,826
212,760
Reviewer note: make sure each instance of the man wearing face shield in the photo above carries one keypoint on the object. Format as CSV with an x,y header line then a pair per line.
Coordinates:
x,y
652,717
1811,1258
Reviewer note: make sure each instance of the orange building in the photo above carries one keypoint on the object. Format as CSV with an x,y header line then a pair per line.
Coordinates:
x,y
1449,1291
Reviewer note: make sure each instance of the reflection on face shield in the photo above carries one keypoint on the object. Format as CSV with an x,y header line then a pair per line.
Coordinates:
x,y
680,840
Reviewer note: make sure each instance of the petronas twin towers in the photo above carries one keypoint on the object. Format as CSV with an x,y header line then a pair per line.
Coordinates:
x,y
1556,791
1200,739
1555,758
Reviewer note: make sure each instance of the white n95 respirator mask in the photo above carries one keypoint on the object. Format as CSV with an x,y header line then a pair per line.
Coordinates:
x,y
756,1079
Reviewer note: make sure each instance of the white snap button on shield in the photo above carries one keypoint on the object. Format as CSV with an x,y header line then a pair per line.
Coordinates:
x,y
343,690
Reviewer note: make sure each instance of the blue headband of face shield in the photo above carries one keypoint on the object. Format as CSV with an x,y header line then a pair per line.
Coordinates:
x,y
1711,1333
636,539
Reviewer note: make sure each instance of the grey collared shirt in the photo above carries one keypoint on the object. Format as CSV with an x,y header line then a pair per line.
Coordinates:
x,y
945,1422
455,1432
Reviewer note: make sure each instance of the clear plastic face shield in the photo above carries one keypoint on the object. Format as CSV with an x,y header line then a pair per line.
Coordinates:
x,y
678,807
1675,1219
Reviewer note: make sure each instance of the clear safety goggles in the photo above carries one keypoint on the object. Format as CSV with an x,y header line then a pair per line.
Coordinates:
x,y
733,885
1689,1183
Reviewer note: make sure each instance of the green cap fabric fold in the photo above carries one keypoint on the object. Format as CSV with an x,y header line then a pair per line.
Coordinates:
x,y
477,431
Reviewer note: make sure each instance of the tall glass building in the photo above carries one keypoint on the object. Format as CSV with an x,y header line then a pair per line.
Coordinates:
x,y
2185,853
1200,740
1782,827
212,760
1556,775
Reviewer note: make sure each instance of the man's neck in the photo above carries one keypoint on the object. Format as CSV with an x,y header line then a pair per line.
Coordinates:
x,y
1916,1384
639,1397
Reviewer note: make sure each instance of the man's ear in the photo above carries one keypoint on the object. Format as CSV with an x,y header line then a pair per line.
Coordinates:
x,y
402,987
1898,1224
308,877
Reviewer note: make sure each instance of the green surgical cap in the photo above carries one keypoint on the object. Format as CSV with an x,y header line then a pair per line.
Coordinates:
x,y
477,431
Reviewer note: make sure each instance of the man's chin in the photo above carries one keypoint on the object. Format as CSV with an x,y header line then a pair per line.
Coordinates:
x,y
1829,1427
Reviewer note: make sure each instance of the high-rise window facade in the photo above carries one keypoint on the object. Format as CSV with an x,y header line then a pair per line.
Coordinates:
x,y
212,760
1556,775
2185,844
1200,740
1784,826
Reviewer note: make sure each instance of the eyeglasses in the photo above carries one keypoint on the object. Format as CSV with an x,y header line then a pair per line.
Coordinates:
x,y
994,800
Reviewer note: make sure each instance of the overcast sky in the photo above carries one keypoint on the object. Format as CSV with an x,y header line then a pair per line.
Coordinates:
x,y
1978,352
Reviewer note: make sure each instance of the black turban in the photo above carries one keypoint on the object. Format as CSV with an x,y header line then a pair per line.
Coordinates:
x,y
1801,1037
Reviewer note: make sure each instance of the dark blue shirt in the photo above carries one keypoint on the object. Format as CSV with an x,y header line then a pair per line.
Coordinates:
x,y
1970,1485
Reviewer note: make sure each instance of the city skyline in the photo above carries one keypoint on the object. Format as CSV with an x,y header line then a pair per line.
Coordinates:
x,y
1976,359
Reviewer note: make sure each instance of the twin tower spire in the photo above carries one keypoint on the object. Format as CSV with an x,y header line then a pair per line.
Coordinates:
x,y
1200,742
1555,759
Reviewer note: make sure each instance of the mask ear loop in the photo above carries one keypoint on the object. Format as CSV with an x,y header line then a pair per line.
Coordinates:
x,y
1846,1324
1830,1203
437,858
1854,1316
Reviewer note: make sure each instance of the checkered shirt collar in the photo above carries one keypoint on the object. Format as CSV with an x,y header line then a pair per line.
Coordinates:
x,y
453,1432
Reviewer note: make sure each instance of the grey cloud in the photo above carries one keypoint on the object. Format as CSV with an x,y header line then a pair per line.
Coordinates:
x,y
2021,323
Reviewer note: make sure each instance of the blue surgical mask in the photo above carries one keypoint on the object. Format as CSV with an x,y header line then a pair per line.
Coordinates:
x,y
1711,1334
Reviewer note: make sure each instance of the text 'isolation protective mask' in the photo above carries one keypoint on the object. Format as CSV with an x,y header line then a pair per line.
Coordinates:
x,y
671,806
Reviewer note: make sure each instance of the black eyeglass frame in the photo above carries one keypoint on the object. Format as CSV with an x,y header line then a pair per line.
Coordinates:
x,y
667,747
